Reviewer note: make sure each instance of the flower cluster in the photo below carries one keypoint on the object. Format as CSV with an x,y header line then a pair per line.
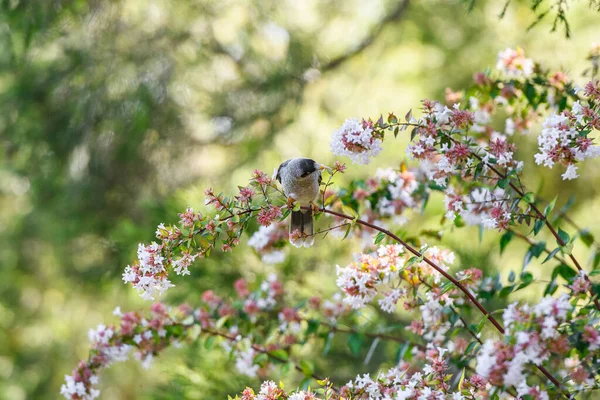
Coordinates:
x,y
537,335
236,321
268,241
396,383
514,64
355,139
142,336
481,206
565,138
148,275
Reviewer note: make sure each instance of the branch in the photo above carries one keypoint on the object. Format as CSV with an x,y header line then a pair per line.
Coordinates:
x,y
456,283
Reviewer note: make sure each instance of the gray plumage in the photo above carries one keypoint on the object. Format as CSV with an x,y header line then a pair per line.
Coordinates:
x,y
300,179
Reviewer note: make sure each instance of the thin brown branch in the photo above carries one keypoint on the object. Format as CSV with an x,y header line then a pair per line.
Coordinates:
x,y
456,283
547,223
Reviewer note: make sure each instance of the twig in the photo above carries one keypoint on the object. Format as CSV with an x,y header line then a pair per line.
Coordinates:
x,y
456,283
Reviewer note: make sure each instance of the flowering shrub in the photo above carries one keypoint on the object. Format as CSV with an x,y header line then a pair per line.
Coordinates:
x,y
454,346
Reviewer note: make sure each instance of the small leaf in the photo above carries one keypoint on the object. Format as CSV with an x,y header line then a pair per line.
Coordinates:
x,y
506,290
279,354
529,197
408,115
308,367
481,324
551,255
403,351
586,237
537,227
349,211
565,271
551,288
511,276
564,236
505,240
462,378
550,207
355,342
470,347
347,231
503,183
380,236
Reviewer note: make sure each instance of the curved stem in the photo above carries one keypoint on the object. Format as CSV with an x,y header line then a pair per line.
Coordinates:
x,y
459,285
541,215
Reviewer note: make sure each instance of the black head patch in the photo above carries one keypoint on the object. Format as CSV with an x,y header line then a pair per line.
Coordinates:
x,y
306,166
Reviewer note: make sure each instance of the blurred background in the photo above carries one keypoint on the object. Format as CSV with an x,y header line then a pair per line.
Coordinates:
x,y
115,115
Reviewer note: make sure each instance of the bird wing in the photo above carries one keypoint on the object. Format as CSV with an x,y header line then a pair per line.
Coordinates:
x,y
283,164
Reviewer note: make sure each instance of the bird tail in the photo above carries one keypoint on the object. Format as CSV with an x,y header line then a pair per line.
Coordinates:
x,y
302,221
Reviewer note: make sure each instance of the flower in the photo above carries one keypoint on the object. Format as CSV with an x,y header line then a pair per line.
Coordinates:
x,y
514,64
356,140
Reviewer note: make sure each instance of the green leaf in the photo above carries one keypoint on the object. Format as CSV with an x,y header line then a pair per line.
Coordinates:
x,y
596,259
403,351
506,291
551,288
564,236
349,211
470,347
511,276
594,272
313,326
565,271
529,197
355,342
348,229
446,287
462,378
505,240
586,237
280,354
209,342
527,278
551,255
379,238
503,183
328,342
308,367
261,359
481,324
534,251
550,207
537,227
411,261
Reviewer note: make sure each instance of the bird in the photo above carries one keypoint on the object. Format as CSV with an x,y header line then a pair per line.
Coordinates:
x,y
300,179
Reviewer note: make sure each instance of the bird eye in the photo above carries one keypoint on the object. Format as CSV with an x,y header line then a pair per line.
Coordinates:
x,y
304,175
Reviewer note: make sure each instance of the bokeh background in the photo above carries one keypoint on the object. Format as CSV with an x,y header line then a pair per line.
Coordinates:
x,y
115,115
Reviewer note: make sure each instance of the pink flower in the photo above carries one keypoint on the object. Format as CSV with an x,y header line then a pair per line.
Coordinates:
x,y
266,216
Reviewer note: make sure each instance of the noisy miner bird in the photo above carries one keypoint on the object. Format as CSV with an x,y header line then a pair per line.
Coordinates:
x,y
300,179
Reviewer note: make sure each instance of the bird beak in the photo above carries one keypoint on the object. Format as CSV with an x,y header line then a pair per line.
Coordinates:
x,y
322,167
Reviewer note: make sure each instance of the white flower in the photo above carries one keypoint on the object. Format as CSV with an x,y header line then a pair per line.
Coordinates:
x,y
486,359
570,173
514,64
355,141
